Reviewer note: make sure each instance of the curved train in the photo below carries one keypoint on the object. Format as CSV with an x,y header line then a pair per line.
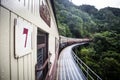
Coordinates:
x,y
65,41
29,40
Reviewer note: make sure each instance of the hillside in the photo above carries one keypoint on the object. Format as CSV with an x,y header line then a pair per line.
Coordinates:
x,y
85,20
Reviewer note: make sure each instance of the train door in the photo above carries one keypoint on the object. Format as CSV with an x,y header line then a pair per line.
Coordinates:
x,y
42,55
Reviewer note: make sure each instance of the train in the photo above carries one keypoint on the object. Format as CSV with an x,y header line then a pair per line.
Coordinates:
x,y
66,41
29,40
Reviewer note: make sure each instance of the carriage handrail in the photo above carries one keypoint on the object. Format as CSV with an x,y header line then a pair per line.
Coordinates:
x,y
85,68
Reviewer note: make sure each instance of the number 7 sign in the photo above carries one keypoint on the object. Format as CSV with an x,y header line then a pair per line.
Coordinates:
x,y
23,37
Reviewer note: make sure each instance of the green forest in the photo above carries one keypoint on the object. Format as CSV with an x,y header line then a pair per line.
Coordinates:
x,y
103,26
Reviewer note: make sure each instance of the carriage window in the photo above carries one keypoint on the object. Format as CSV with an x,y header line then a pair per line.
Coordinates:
x,y
42,55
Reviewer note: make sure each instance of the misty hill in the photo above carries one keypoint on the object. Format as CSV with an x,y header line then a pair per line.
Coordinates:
x,y
84,20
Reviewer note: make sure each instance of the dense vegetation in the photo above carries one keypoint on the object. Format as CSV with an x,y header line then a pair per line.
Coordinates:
x,y
103,55
71,20
103,26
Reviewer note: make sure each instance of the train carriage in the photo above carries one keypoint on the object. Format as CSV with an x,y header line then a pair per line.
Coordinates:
x,y
29,40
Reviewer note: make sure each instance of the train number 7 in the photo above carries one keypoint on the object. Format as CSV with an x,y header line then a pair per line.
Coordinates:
x,y
25,31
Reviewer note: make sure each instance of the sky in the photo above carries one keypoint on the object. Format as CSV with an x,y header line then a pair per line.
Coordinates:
x,y
98,3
